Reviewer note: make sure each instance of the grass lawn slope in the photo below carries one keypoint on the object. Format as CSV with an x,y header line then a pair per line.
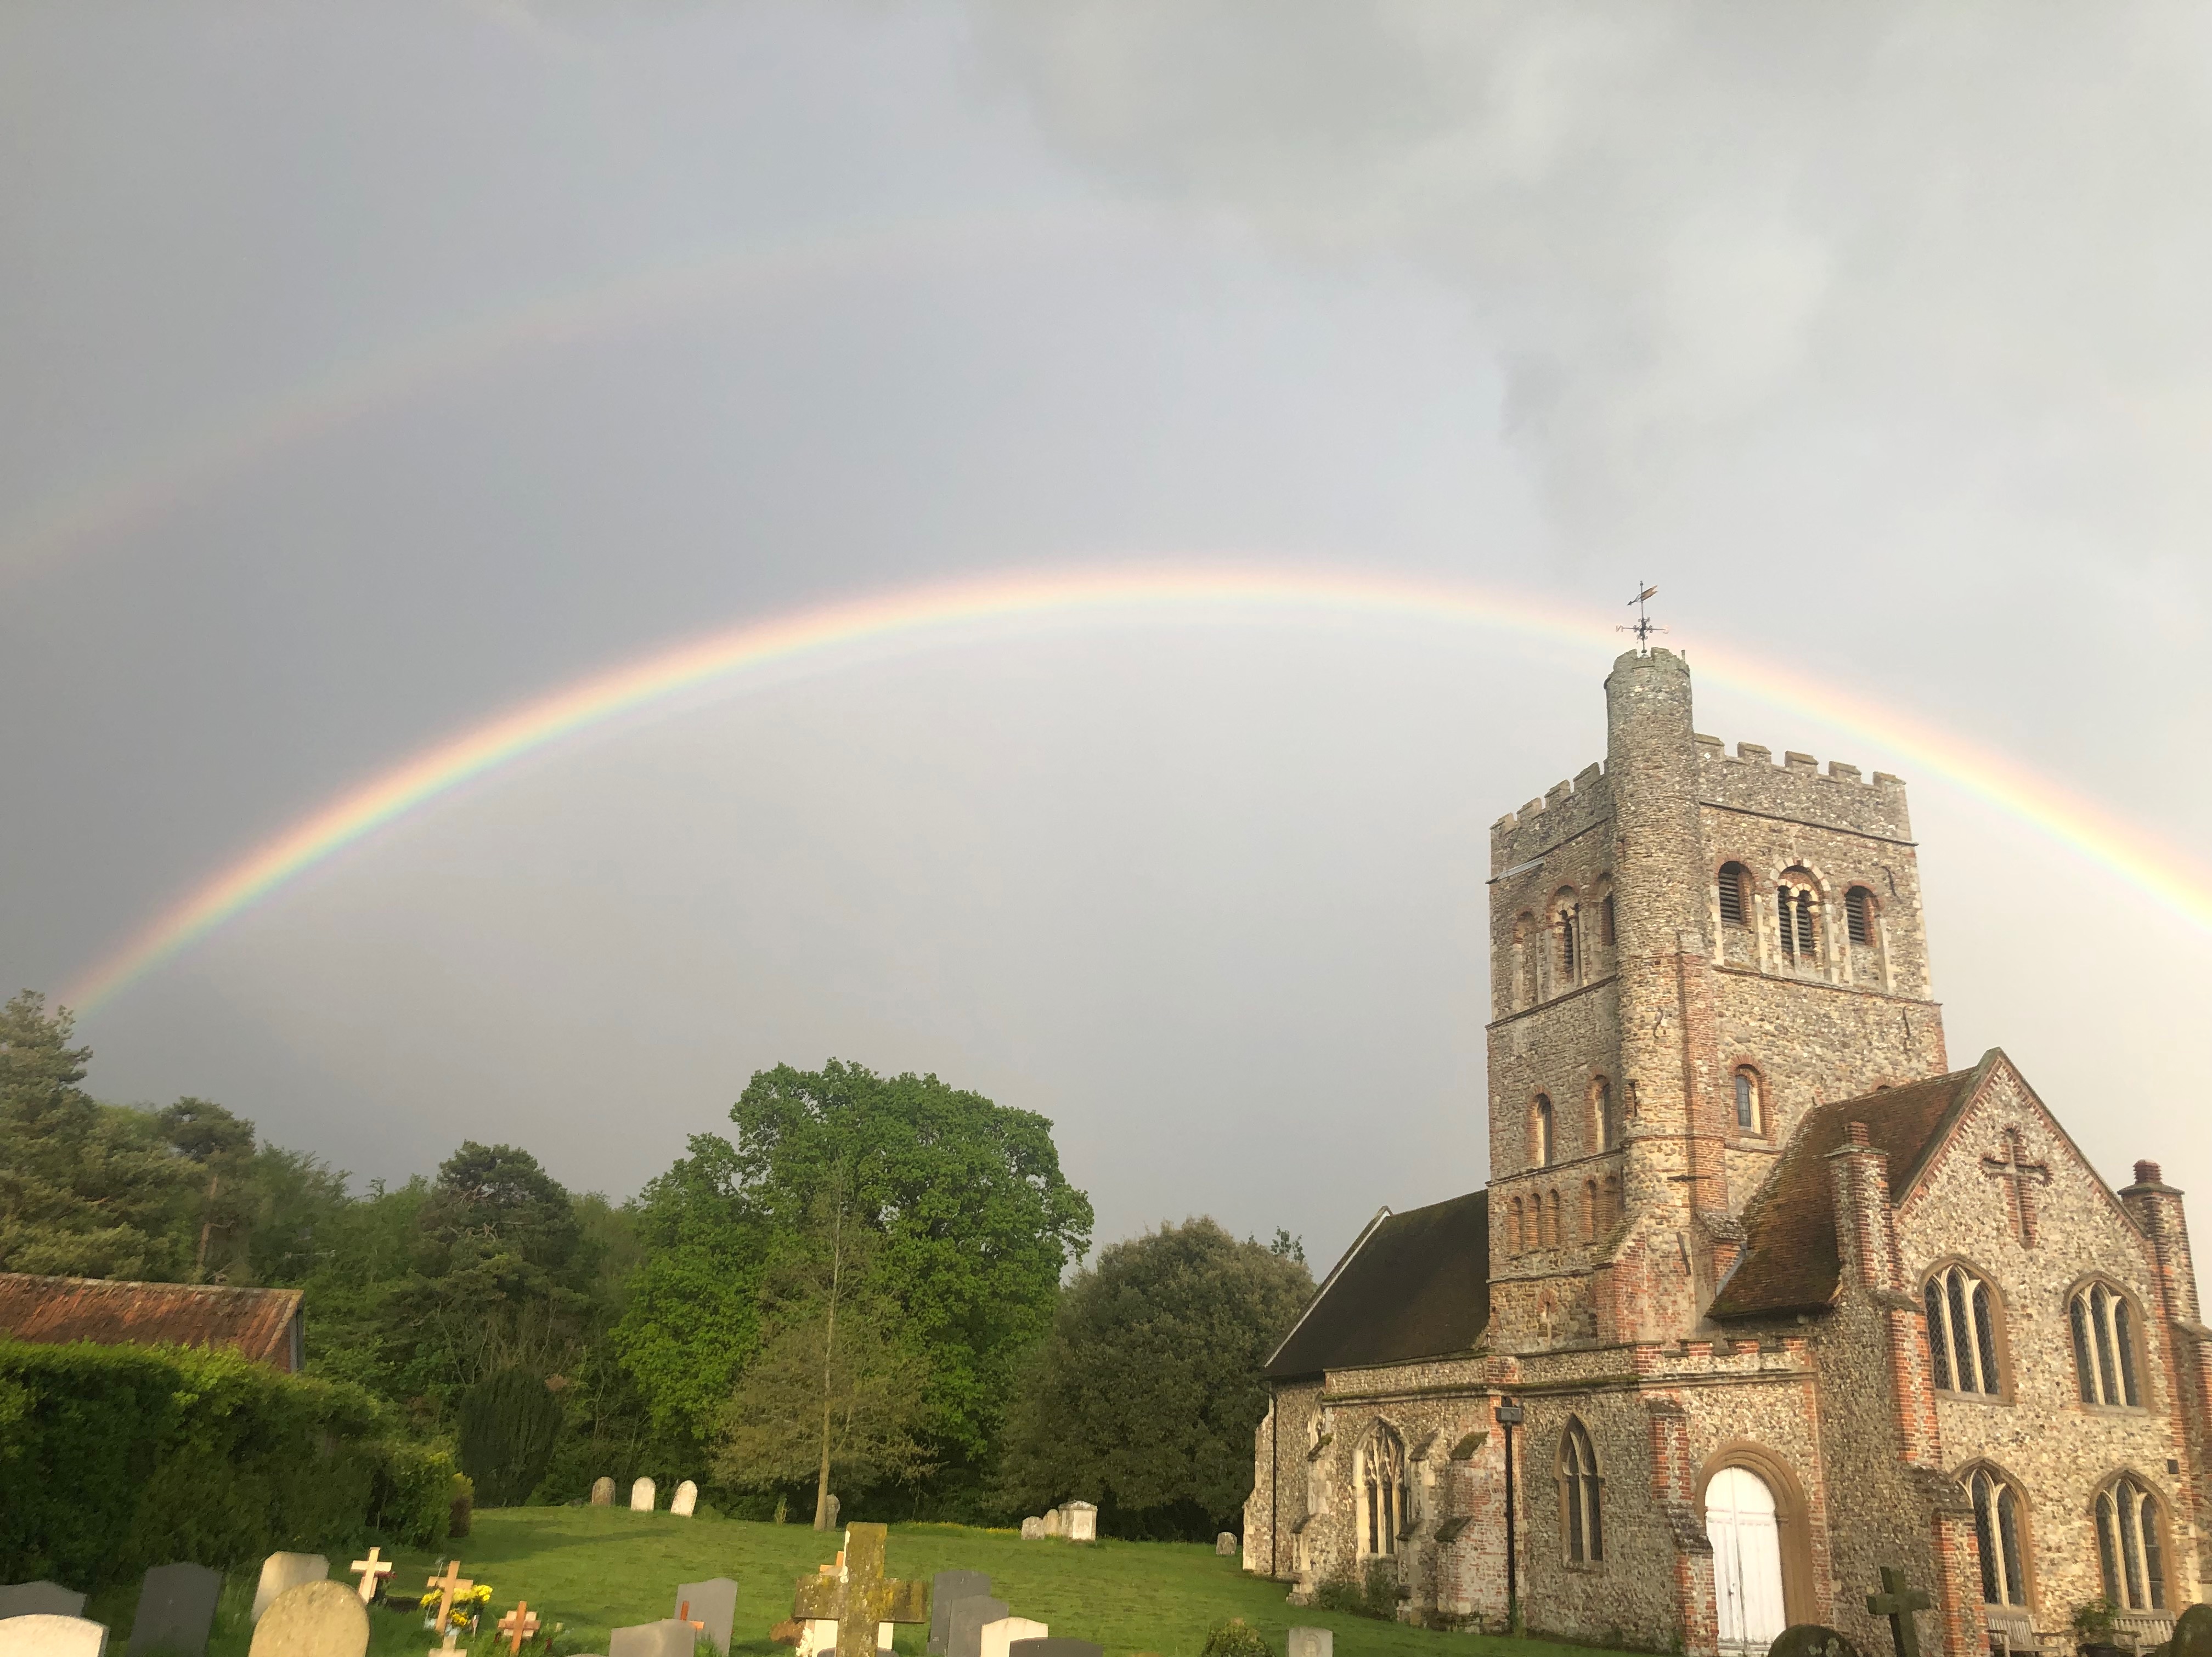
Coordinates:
x,y
594,1569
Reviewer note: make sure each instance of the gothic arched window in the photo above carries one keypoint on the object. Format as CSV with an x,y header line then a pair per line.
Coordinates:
x,y
1962,1331
1539,1131
1998,1525
2104,1346
1734,879
2131,1550
1381,1478
1580,1494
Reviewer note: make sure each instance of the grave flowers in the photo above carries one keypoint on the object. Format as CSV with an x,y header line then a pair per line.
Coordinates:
x,y
467,1610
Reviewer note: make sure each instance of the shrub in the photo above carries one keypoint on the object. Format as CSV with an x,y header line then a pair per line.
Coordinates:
x,y
1235,1638
115,1457
411,1497
509,1423
1344,1590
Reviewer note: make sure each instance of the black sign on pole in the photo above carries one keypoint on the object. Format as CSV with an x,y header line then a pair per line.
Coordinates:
x,y
1509,1415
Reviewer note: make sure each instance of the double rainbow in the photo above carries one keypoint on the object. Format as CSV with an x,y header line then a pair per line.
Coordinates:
x,y
1235,594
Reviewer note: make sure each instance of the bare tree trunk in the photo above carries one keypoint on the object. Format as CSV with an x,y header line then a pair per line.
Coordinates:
x,y
829,1361
207,1224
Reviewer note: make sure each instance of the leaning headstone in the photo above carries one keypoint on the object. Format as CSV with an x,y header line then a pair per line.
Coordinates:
x,y
45,1634
640,1497
1310,1643
1033,1529
1055,1649
998,1636
666,1638
1053,1522
603,1492
964,1628
39,1598
176,1608
1225,1545
946,1589
712,1605
1082,1522
315,1619
1805,1640
282,1572
685,1499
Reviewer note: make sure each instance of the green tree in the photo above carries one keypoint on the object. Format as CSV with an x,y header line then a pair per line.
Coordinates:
x,y
833,1388
1145,1396
220,1145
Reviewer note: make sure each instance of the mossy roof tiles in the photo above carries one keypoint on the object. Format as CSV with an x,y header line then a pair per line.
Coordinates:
x,y
256,1323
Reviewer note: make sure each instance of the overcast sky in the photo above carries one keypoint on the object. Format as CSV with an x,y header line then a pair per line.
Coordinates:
x,y
365,369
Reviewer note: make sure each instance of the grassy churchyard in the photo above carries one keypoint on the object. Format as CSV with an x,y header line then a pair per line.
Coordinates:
x,y
594,1569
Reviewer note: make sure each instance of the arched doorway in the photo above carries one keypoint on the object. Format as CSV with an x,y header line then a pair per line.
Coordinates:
x,y
1746,1537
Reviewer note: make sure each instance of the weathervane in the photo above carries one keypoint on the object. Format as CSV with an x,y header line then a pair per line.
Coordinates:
x,y
1643,626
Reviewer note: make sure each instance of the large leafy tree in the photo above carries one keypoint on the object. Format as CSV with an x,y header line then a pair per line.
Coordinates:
x,y
1145,1395
975,1224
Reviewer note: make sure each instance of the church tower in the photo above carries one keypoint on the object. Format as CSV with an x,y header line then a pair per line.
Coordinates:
x,y
1689,951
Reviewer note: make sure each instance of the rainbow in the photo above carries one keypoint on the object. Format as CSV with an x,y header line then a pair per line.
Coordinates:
x,y
1122,594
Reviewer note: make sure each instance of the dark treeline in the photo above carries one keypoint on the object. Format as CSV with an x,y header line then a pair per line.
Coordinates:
x,y
860,1289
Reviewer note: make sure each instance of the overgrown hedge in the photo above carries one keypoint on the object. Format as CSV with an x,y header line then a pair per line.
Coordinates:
x,y
115,1457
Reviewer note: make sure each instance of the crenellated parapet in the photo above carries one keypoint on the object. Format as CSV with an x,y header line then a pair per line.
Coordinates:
x,y
1796,790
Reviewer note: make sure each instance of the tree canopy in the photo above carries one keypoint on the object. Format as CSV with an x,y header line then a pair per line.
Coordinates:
x,y
1145,1396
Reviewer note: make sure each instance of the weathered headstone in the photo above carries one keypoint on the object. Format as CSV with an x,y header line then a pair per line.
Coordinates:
x,y
832,1506
685,1499
1310,1643
46,1634
997,1636
282,1572
314,1619
1082,1521
1899,1603
858,1596
711,1605
1055,1649
666,1638
946,1589
176,1608
39,1598
1811,1640
603,1491
1033,1529
1055,1521
640,1497
1226,1546
964,1628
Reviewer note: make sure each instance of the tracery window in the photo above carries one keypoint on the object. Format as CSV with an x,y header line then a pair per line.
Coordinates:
x,y
1580,1491
1382,1481
1539,1131
1734,878
1796,918
1962,1332
2104,1346
1858,916
1997,1525
1750,1111
2130,1549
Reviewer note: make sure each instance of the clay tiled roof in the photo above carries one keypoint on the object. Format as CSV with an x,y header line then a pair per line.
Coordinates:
x,y
1792,1261
1415,1285
256,1323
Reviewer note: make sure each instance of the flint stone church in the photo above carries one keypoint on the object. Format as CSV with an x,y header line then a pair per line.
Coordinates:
x,y
1783,1297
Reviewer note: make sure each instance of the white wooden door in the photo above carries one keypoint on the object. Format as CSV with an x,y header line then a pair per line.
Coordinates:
x,y
1747,1560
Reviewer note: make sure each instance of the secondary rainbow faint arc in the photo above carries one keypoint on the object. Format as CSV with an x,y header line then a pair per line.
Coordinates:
x,y
1234,593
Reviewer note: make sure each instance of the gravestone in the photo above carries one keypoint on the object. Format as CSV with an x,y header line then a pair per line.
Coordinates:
x,y
858,1597
282,1572
39,1598
45,1634
450,1586
946,1589
817,1637
1310,1643
1226,1546
2192,1634
314,1619
1902,1605
964,1628
686,1498
1033,1529
176,1608
1055,1649
518,1625
831,1506
1053,1522
1082,1522
666,1638
712,1605
603,1492
1811,1640
371,1571
998,1636
640,1497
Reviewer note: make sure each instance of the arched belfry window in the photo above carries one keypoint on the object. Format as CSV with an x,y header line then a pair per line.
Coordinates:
x,y
1539,1131
1581,1506
1381,1478
1796,917
1735,881
1858,916
2105,1358
1999,1525
2130,1545
1750,1101
1566,926
1962,1332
